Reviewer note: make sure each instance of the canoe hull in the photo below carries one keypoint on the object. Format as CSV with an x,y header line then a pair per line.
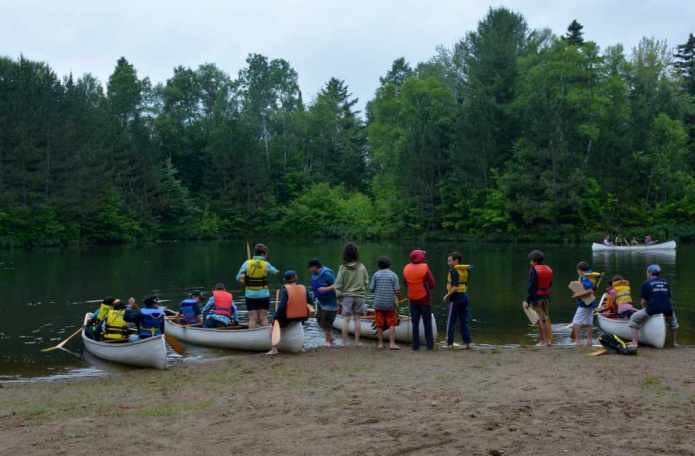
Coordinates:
x,y
670,245
404,331
150,352
652,333
259,339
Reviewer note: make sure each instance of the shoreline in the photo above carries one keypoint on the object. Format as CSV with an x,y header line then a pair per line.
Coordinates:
x,y
364,401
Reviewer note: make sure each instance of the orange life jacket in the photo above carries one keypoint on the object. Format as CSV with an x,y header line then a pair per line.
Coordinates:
x,y
545,279
296,301
223,303
415,275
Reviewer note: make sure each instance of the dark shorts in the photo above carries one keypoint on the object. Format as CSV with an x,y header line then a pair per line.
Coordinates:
x,y
257,303
326,318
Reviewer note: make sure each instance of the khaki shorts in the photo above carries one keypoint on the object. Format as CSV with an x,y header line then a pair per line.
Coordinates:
x,y
352,305
541,308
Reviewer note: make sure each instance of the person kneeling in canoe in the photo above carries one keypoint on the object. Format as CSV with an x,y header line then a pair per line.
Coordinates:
x,y
619,299
115,328
95,327
294,306
387,292
220,310
656,299
149,319
189,309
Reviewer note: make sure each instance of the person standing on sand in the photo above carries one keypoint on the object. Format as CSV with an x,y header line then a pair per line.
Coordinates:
x,y
586,303
323,277
420,282
656,299
351,287
254,275
457,299
540,280
387,292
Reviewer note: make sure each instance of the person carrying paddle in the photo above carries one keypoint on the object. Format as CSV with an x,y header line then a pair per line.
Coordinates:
x,y
323,277
149,319
220,310
294,306
586,302
387,291
457,299
418,277
656,299
540,280
254,275
351,287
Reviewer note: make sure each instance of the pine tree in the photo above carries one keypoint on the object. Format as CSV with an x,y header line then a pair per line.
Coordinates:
x,y
684,63
574,35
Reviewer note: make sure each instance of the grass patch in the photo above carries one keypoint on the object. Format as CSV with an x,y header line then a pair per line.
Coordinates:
x,y
172,409
655,385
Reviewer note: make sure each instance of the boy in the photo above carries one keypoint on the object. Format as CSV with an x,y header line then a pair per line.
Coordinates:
x,y
540,280
189,309
294,305
457,298
586,302
386,289
323,277
420,281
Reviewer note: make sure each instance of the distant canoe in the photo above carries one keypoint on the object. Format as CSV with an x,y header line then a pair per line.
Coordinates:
x,y
652,333
670,245
404,331
257,339
148,352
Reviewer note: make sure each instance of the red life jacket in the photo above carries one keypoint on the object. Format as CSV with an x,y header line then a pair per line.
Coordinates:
x,y
296,301
223,303
415,275
544,280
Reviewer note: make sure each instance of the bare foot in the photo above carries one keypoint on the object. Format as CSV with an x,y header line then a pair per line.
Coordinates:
x,y
380,346
394,347
272,352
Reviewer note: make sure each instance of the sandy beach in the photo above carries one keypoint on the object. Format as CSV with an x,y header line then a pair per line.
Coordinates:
x,y
524,401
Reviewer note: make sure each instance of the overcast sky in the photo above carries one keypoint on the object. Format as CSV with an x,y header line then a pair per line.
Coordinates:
x,y
354,40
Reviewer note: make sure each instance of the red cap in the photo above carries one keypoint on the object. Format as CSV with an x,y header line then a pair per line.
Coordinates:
x,y
418,256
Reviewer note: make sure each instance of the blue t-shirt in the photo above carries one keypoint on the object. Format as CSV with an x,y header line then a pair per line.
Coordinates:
x,y
657,293
324,278
588,285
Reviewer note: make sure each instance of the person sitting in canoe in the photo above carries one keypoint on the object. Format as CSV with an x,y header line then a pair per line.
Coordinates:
x,y
607,241
648,240
619,299
149,319
634,241
220,310
387,292
189,309
295,304
115,328
95,324
655,299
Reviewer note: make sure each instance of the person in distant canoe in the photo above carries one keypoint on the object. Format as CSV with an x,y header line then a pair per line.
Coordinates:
x,y
586,302
220,310
607,241
648,240
324,277
619,299
94,326
634,241
351,287
254,275
420,281
540,281
387,292
149,319
457,299
656,299
295,304
189,309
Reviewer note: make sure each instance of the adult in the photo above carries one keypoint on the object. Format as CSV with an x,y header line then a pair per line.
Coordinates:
x,y
420,282
655,299
351,287
540,281
254,275
294,304
220,310
324,277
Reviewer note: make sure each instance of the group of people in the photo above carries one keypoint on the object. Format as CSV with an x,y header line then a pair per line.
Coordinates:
x,y
618,241
655,298
115,321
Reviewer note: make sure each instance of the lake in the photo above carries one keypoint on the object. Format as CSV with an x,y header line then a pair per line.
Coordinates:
x,y
45,291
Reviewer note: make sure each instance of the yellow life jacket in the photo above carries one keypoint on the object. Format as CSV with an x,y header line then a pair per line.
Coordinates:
x,y
104,310
116,329
256,276
594,277
623,294
462,270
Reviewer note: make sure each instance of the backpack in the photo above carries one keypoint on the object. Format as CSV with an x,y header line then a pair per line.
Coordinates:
x,y
614,344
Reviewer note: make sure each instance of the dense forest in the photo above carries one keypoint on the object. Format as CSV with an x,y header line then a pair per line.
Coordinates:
x,y
513,133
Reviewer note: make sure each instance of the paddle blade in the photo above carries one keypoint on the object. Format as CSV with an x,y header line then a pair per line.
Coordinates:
x,y
531,314
50,349
175,344
276,334
599,352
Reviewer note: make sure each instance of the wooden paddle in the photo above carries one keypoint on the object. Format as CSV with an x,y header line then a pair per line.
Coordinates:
x,y
60,345
276,334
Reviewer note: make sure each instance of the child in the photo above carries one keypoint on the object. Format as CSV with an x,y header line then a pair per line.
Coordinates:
x,y
586,302
418,277
540,280
386,289
323,276
619,302
456,296
294,306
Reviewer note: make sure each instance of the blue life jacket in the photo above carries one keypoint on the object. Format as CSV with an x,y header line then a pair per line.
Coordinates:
x,y
188,310
316,283
151,322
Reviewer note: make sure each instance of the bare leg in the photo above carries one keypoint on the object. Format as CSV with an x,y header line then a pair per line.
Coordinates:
x,y
263,314
548,332
541,332
380,337
589,336
346,323
356,317
576,334
392,338
635,337
253,317
674,332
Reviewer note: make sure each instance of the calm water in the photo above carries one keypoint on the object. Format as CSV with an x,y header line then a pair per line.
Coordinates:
x,y
44,291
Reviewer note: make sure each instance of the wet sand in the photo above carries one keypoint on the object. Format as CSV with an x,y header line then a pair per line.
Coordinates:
x,y
524,401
